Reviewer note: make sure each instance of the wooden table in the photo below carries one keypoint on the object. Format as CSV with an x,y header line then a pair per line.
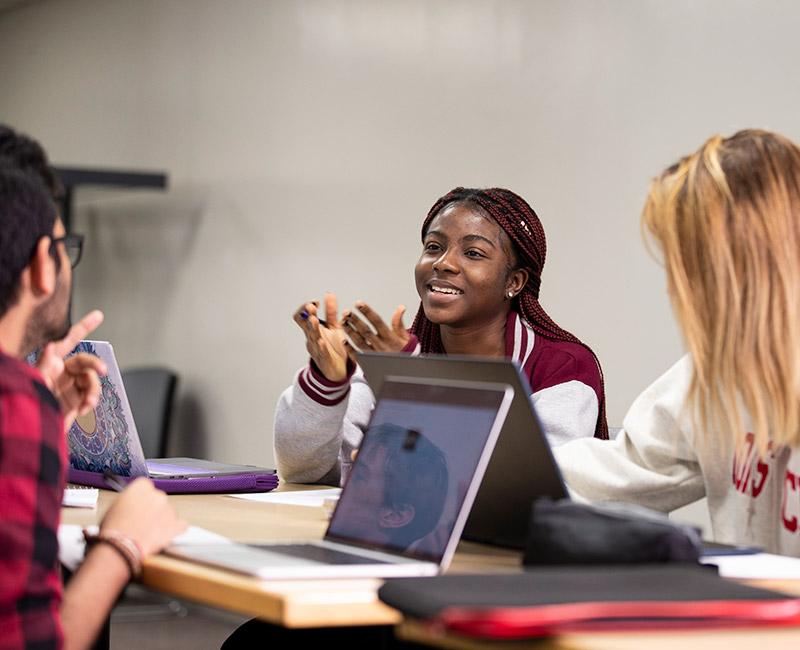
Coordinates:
x,y
318,603
732,639
292,603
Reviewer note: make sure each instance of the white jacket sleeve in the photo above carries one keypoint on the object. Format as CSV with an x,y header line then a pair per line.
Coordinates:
x,y
651,462
567,411
313,434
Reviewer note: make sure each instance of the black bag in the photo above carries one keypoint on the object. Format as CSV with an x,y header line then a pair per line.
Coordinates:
x,y
566,532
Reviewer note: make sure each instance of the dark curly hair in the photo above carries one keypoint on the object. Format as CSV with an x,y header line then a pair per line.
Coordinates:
x,y
27,213
24,153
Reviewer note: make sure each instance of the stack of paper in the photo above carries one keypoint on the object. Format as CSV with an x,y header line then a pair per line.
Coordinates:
x,y
78,496
755,566
71,545
310,498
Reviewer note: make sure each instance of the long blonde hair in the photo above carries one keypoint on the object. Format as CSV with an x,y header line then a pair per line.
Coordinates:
x,y
727,219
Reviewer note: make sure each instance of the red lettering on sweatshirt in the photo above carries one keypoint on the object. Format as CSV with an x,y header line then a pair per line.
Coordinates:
x,y
789,485
744,459
763,470
750,472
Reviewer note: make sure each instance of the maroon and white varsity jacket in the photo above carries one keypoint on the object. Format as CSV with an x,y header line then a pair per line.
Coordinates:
x,y
318,422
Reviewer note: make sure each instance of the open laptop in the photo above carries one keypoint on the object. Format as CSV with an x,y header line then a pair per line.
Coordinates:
x,y
408,494
105,440
522,467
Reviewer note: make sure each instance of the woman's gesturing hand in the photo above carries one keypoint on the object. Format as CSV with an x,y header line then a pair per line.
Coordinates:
x,y
325,342
373,334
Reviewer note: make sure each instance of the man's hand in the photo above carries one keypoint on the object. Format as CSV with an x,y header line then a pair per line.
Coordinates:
x,y
74,382
77,388
144,514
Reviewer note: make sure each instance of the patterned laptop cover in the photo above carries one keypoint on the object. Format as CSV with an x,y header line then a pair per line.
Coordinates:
x,y
106,438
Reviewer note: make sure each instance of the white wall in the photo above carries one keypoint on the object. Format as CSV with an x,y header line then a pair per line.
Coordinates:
x,y
305,141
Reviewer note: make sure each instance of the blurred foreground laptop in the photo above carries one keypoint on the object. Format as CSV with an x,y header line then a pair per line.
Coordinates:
x,y
408,494
522,467
105,439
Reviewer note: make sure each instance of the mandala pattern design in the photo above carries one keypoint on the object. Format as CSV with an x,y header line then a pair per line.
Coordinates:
x,y
103,441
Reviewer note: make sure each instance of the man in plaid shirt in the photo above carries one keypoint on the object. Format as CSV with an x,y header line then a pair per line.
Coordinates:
x,y
37,406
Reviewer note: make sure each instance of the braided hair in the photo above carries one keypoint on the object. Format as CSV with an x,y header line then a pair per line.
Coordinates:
x,y
513,214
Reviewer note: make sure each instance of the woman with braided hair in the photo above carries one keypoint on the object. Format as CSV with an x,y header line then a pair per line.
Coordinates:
x,y
478,279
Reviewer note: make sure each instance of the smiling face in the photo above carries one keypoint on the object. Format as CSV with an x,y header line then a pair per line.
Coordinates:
x,y
466,268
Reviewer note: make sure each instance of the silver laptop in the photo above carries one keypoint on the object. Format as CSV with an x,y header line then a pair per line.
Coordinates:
x,y
106,440
408,493
522,467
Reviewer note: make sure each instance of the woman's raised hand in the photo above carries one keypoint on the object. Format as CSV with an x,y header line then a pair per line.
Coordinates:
x,y
373,334
326,341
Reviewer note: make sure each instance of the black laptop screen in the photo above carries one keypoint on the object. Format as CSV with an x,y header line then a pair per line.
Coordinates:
x,y
410,479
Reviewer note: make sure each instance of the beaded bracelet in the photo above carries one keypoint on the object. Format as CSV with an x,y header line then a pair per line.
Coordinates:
x,y
130,551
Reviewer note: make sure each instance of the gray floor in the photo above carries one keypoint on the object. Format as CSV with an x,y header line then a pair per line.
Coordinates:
x,y
146,621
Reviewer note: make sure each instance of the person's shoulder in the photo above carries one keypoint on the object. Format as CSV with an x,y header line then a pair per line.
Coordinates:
x,y
564,353
558,362
16,374
19,378
673,384
31,429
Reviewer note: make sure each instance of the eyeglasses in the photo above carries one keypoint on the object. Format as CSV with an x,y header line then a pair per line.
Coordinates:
x,y
73,244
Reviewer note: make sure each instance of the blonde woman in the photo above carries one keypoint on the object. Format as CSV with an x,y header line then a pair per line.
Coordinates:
x,y
724,422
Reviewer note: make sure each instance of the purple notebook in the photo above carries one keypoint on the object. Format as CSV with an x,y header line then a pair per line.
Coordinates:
x,y
254,482
106,439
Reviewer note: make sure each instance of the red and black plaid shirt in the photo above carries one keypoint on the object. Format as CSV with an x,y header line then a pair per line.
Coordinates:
x,y
32,461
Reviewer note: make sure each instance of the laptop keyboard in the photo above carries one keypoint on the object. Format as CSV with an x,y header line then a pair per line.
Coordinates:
x,y
318,554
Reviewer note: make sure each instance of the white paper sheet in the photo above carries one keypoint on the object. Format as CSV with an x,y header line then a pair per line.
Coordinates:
x,y
71,545
756,566
310,498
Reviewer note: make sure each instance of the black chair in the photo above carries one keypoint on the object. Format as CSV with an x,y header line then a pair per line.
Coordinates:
x,y
150,392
